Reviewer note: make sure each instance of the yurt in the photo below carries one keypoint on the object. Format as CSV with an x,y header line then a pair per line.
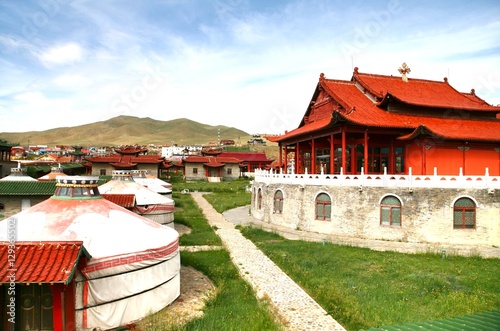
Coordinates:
x,y
18,174
54,172
148,203
134,263
153,183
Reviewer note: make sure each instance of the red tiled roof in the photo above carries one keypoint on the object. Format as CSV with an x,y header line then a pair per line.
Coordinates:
x,y
124,200
420,92
211,159
355,107
41,262
247,156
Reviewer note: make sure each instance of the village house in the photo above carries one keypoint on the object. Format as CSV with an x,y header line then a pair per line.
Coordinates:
x,y
125,158
211,168
389,158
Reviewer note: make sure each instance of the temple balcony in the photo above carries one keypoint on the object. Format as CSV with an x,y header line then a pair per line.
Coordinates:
x,y
361,180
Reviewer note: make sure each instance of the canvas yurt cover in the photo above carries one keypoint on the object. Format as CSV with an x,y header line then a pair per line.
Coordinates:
x,y
148,203
135,264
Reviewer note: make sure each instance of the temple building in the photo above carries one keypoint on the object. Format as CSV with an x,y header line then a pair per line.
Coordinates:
x,y
374,122
390,158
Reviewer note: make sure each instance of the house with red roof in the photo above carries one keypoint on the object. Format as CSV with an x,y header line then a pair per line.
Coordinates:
x,y
388,158
249,160
211,168
126,158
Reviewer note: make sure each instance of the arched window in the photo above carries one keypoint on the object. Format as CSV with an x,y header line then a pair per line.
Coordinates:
x,y
390,211
323,207
464,214
278,202
259,199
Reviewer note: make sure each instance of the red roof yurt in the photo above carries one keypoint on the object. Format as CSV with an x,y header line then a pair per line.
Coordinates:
x,y
148,203
135,262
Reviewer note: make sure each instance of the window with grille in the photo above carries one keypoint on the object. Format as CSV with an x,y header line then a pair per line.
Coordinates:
x,y
259,199
464,214
323,207
195,170
390,211
278,202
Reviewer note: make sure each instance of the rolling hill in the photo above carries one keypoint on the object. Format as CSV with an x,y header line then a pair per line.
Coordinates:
x,y
128,130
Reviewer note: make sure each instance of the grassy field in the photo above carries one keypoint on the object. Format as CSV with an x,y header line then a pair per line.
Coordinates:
x,y
362,288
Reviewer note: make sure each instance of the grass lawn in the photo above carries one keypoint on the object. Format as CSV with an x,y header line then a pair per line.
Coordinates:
x,y
361,288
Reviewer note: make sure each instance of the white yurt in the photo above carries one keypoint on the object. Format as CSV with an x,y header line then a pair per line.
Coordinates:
x,y
153,183
19,174
135,262
148,203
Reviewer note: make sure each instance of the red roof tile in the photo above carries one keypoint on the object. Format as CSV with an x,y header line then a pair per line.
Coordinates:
x,y
40,262
124,200
247,156
353,106
211,159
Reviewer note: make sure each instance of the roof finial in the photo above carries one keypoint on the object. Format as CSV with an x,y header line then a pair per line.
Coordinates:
x,y
404,69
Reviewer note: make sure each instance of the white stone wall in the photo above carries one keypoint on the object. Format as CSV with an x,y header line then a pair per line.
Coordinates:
x,y
427,213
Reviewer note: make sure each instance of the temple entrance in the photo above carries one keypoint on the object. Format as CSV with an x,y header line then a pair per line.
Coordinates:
x,y
34,308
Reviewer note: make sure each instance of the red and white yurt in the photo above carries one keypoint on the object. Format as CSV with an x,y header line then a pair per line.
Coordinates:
x,y
148,203
134,262
152,182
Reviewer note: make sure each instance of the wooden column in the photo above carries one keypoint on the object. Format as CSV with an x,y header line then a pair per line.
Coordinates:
x,y
332,155
313,158
280,162
285,168
365,152
297,158
344,145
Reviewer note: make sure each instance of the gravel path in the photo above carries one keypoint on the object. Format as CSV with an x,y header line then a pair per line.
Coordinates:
x,y
291,302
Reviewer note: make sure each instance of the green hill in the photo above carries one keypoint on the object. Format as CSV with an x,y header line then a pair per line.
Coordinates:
x,y
128,130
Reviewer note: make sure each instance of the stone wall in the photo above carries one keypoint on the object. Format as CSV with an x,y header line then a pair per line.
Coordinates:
x,y
426,213
13,204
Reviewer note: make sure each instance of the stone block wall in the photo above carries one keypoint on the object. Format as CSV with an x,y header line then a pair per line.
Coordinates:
x,y
426,213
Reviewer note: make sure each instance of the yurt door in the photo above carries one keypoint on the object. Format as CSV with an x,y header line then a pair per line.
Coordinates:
x,y
34,308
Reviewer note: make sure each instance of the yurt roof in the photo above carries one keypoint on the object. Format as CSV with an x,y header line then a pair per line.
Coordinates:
x,y
143,195
105,228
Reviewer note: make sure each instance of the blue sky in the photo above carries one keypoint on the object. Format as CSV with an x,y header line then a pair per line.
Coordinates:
x,y
247,64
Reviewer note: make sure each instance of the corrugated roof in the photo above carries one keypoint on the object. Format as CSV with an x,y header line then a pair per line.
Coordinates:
x,y
124,200
486,321
41,262
27,188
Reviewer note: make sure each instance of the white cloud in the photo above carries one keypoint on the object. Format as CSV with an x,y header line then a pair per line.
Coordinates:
x,y
62,54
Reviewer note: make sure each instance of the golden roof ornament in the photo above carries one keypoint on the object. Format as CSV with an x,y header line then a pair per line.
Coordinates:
x,y
403,70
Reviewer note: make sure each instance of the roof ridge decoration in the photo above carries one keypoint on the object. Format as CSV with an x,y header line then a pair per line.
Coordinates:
x,y
403,70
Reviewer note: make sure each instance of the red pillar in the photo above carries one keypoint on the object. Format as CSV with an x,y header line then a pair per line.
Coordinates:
x,y
280,162
286,160
313,158
332,155
57,307
297,158
344,146
365,152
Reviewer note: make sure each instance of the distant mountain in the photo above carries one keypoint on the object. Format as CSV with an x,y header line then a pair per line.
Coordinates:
x,y
128,130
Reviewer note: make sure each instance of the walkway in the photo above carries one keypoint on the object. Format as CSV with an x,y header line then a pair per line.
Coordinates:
x,y
268,281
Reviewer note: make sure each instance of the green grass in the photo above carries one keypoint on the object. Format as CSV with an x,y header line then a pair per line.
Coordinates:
x,y
227,186
235,306
361,288
224,201
188,213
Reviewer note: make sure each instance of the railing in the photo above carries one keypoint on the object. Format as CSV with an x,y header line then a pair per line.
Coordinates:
x,y
382,180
